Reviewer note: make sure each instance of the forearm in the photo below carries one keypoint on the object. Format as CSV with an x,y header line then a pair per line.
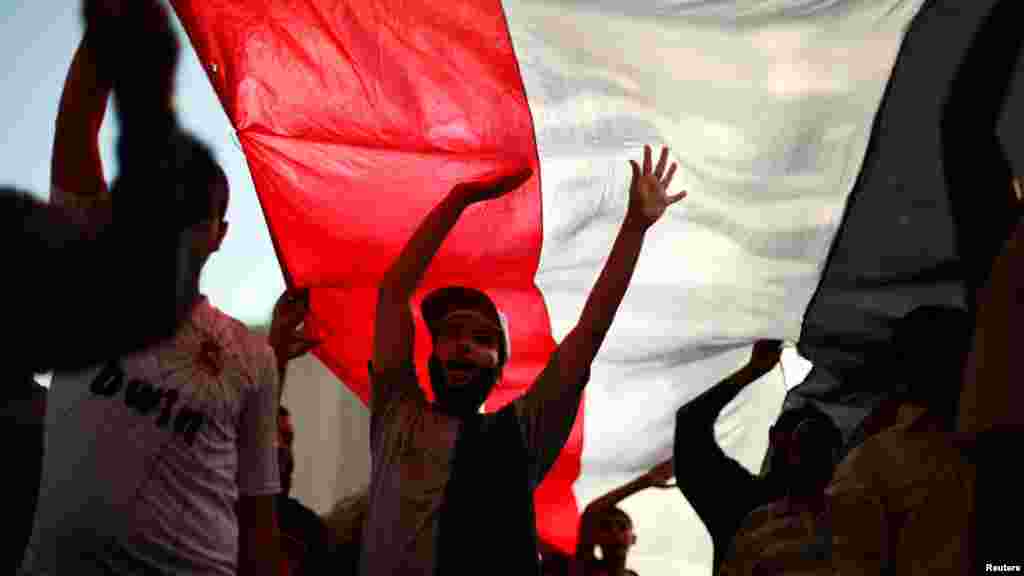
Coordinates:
x,y
695,446
704,409
585,543
75,163
608,291
405,274
704,472
621,493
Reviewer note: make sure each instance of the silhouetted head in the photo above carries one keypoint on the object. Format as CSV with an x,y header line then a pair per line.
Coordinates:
x,y
205,205
805,445
614,533
470,338
190,186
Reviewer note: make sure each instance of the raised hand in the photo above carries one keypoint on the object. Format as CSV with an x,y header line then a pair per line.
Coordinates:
x,y
765,355
285,333
648,191
492,187
136,48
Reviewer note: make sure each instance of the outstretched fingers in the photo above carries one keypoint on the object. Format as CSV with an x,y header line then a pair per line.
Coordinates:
x,y
672,199
647,160
636,170
668,177
662,162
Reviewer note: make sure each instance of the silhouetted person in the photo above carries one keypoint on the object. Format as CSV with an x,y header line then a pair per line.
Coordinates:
x,y
78,269
605,526
924,369
720,489
810,530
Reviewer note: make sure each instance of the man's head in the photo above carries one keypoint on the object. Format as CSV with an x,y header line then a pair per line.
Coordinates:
x,y
285,454
470,347
205,203
805,444
186,189
614,533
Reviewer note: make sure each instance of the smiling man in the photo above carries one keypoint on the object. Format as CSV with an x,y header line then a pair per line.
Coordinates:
x,y
447,482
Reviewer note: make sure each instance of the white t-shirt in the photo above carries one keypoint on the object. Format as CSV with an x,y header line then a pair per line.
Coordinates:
x,y
147,455
412,446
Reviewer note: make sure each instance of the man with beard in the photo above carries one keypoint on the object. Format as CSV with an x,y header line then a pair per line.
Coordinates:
x,y
447,482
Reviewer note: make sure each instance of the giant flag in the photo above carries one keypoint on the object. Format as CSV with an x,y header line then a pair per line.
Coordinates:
x,y
356,118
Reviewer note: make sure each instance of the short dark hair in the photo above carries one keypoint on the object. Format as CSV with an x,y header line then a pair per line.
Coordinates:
x,y
788,421
185,171
615,512
282,411
206,186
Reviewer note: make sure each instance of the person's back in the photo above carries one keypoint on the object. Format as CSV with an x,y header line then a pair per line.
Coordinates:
x,y
148,455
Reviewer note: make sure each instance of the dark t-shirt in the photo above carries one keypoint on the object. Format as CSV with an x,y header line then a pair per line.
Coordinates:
x,y
489,500
473,475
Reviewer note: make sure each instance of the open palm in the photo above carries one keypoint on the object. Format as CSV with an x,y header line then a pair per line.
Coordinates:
x,y
648,191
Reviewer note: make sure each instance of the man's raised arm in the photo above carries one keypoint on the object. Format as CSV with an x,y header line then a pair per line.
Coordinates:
x,y
548,410
393,330
704,472
648,200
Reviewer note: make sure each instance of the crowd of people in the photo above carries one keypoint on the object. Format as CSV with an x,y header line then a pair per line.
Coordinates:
x,y
162,446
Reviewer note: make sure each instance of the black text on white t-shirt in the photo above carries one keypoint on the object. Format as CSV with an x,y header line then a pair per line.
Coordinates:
x,y
145,398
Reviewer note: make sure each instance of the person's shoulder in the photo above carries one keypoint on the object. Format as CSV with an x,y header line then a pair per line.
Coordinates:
x,y
243,355
234,335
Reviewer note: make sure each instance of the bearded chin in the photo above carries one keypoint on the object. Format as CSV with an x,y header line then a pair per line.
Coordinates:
x,y
463,400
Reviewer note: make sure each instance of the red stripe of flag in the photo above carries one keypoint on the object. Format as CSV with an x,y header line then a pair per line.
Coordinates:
x,y
356,119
